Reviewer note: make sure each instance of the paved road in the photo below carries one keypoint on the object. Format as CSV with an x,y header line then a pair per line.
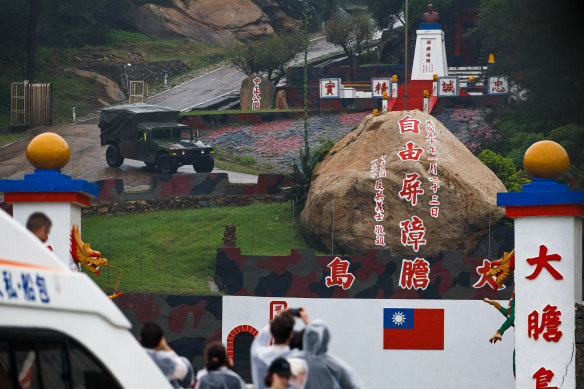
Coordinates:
x,y
88,156
222,82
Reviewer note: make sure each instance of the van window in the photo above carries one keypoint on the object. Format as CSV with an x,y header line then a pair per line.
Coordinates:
x,y
33,358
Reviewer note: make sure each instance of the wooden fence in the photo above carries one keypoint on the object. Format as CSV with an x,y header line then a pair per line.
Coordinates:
x,y
31,104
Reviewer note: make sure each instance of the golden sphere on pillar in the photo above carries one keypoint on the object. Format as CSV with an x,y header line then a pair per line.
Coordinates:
x,y
546,159
48,151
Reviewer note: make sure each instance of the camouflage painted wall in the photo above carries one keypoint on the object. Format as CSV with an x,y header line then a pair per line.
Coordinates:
x,y
189,322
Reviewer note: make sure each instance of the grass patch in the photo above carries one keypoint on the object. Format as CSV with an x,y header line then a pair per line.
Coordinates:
x,y
236,167
143,245
11,137
237,111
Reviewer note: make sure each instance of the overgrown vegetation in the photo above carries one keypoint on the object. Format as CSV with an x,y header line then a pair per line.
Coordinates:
x,y
174,251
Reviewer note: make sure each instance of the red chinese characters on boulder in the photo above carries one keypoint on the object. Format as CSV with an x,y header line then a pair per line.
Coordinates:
x,y
378,171
410,153
256,98
411,188
412,233
542,377
433,167
550,322
415,274
340,275
542,261
407,124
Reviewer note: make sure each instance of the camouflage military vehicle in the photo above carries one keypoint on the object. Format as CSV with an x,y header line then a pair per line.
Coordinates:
x,y
152,134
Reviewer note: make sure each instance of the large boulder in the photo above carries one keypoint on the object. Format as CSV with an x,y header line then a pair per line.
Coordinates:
x,y
467,190
212,21
250,87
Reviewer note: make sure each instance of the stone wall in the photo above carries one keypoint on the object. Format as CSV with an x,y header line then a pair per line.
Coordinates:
x,y
176,202
139,71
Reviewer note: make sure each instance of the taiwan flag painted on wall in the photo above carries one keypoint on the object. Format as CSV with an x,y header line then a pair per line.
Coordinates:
x,y
413,329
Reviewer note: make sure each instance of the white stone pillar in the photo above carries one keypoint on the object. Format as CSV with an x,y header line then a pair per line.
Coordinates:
x,y
429,55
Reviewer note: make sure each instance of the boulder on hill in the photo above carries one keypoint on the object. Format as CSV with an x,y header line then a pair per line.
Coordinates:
x,y
211,21
346,183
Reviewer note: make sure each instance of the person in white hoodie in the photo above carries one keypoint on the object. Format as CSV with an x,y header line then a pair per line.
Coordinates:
x,y
325,370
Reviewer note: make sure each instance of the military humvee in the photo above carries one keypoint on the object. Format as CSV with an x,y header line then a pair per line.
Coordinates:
x,y
152,134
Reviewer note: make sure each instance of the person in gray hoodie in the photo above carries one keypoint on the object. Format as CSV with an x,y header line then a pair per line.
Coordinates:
x,y
325,370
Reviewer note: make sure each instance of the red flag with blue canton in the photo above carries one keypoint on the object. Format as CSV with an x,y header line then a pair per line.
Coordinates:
x,y
413,329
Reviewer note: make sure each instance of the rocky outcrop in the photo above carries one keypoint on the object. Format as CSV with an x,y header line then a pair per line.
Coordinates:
x,y
212,21
263,91
111,88
343,188
279,20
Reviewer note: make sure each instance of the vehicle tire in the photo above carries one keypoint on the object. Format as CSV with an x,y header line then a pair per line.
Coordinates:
x,y
165,164
113,156
204,165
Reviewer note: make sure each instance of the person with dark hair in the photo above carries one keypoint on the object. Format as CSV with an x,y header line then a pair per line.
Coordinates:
x,y
39,224
178,370
262,353
217,373
278,374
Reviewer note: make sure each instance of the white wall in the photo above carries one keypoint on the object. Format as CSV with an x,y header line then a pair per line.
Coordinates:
x,y
467,361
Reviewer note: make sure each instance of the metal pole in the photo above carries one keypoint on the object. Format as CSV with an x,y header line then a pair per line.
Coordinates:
x,y
207,260
140,254
253,225
406,60
293,210
174,257
333,233
108,250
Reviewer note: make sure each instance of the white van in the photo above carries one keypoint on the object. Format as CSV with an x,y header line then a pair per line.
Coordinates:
x,y
57,328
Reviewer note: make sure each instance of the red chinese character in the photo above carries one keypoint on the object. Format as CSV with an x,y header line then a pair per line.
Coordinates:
x,y
415,274
379,240
482,270
411,152
427,54
381,87
428,42
379,196
428,48
432,150
448,86
542,377
430,126
378,185
374,169
434,200
411,188
379,230
412,233
378,217
409,124
330,86
542,261
428,60
257,80
379,206
498,86
433,168
550,321
434,211
255,105
434,187
339,274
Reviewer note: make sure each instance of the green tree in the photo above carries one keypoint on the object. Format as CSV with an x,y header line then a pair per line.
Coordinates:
x,y
354,34
504,168
537,51
270,55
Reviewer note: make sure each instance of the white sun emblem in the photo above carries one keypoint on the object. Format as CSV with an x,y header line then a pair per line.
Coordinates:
x,y
398,318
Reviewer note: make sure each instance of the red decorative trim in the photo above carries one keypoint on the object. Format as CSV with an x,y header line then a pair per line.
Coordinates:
x,y
47,197
546,210
235,331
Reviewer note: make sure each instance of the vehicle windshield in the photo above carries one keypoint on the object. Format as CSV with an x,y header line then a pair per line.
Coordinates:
x,y
178,134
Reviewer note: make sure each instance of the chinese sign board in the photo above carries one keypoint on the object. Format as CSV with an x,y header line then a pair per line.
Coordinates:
x,y
380,86
498,85
330,88
448,86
